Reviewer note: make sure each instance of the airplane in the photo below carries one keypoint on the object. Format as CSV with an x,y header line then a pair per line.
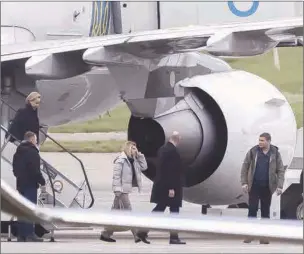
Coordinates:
x,y
228,228
168,84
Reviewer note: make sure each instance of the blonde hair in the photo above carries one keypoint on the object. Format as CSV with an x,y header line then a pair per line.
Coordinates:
x,y
127,147
32,96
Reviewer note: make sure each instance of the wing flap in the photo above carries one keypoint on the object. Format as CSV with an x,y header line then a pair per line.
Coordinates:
x,y
238,44
156,43
56,66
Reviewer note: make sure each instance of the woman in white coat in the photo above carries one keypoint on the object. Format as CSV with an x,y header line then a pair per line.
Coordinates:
x,y
126,175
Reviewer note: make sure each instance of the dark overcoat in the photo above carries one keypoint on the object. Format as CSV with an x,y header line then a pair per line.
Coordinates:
x,y
26,166
169,175
26,119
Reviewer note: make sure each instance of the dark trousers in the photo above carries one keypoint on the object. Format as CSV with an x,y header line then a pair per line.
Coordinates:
x,y
162,208
26,229
173,209
258,193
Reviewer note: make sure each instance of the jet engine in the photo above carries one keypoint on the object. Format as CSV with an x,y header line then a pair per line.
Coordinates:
x,y
220,118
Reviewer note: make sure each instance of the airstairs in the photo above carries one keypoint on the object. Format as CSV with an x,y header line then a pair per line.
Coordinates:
x,y
65,187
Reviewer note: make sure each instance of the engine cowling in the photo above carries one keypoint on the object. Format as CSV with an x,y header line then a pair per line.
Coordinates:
x,y
219,119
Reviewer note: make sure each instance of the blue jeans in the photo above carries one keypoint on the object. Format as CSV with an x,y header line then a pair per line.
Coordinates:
x,y
26,229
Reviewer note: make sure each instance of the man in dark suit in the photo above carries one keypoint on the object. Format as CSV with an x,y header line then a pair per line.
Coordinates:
x,y
26,169
167,189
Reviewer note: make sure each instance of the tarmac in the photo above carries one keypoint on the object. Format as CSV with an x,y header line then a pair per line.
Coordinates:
x,y
99,170
124,245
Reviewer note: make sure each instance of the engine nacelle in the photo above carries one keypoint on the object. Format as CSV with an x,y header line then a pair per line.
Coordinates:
x,y
219,119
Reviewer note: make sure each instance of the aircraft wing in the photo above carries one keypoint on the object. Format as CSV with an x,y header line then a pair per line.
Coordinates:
x,y
234,39
291,231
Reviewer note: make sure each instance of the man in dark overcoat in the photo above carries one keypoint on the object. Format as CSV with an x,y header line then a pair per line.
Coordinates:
x,y
167,189
26,169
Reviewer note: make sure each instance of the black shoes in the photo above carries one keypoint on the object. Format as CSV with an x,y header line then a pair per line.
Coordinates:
x,y
139,238
176,241
142,237
264,242
111,240
144,240
249,240
107,239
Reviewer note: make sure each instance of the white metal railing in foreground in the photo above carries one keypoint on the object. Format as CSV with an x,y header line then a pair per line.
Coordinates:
x,y
290,231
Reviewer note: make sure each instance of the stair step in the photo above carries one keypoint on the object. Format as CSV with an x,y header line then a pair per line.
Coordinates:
x,y
67,192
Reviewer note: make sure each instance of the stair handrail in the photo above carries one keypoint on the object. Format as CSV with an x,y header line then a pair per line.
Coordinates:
x,y
43,161
65,150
